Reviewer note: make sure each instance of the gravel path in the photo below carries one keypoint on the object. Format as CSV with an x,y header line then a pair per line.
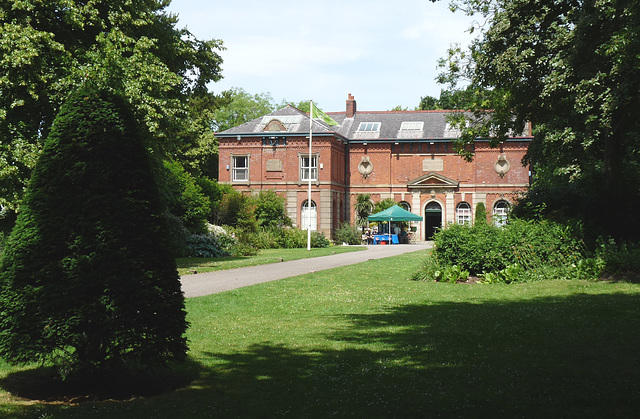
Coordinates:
x,y
213,282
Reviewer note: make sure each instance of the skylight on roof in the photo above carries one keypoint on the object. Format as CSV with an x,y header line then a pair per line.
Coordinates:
x,y
369,126
451,131
412,126
285,119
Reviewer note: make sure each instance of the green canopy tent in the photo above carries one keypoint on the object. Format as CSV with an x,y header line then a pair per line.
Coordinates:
x,y
395,213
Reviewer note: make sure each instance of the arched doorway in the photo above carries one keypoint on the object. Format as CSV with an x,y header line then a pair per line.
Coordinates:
x,y
309,215
432,219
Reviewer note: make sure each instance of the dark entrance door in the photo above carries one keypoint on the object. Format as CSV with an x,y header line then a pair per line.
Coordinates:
x,y
432,219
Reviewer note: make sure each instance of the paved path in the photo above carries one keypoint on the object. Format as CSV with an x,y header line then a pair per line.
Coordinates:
x,y
212,282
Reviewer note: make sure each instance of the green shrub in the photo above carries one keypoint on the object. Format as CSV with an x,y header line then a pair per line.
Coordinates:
x,y
259,221
619,258
509,274
278,238
210,246
348,234
242,249
215,192
270,210
203,246
294,238
177,233
432,270
588,268
486,248
319,240
87,280
185,198
520,251
3,240
225,240
269,238
452,273
427,272
481,214
237,210
474,248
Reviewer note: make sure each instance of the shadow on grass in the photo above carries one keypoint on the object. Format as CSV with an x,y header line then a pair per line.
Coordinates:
x,y
45,384
564,357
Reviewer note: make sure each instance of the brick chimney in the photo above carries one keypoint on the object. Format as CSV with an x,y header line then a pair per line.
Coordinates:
x,y
351,106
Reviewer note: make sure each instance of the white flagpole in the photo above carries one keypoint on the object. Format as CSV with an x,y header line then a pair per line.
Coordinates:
x,y
309,176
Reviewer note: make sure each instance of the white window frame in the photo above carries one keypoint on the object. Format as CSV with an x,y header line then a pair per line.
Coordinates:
x,y
306,169
236,170
412,126
369,127
501,212
405,205
463,213
304,216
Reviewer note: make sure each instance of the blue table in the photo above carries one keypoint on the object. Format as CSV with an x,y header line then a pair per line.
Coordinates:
x,y
385,238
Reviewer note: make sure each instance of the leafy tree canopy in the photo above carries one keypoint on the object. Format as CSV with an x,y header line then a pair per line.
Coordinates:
x,y
383,205
242,107
47,49
572,68
303,105
454,99
271,209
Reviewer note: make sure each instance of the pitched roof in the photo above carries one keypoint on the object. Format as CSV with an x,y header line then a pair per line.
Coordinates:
x,y
370,126
430,125
292,119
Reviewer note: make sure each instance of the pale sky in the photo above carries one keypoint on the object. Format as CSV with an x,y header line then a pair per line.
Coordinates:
x,y
383,52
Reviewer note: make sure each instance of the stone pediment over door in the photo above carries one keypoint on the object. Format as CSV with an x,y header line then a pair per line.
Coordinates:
x,y
433,181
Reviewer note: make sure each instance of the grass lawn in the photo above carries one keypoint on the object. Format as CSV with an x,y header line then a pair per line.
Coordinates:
x,y
186,266
363,341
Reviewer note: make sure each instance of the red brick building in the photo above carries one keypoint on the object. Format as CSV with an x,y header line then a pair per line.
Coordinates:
x,y
404,155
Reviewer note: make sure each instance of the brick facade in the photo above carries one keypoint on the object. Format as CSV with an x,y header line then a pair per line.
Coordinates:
x,y
418,168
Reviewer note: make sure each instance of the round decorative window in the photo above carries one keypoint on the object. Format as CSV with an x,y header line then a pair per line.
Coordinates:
x,y
365,167
502,166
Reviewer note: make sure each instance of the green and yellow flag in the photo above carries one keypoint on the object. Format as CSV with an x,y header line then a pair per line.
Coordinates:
x,y
318,114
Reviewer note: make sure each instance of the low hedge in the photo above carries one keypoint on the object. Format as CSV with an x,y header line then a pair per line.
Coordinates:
x,y
522,250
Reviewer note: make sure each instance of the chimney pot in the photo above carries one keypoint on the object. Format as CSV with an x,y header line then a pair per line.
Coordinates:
x,y
351,106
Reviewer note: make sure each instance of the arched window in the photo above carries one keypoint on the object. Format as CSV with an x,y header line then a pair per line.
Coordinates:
x,y
500,213
309,215
404,205
463,213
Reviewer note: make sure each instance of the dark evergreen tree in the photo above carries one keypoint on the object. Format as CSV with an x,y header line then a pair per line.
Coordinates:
x,y
481,214
87,281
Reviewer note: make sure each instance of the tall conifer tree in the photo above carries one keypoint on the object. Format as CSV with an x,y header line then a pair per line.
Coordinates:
x,y
87,280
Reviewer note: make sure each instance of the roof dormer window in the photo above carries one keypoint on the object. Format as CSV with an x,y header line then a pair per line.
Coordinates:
x,y
274,126
369,126
412,126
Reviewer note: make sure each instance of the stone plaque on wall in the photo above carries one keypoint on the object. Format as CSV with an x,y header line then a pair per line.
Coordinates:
x,y
432,165
274,165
